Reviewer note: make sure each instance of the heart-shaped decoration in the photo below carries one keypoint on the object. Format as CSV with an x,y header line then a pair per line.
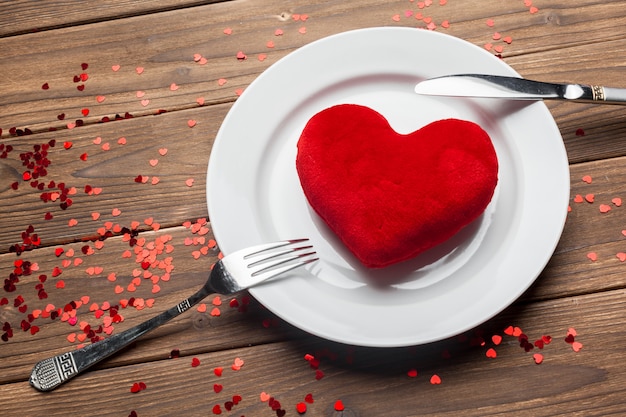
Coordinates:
x,y
390,196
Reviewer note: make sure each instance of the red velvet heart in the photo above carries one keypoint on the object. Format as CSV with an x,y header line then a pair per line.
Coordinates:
x,y
390,196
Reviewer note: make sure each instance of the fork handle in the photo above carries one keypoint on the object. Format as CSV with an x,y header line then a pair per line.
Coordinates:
x,y
49,373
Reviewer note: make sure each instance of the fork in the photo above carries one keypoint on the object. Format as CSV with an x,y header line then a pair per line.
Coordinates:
x,y
235,272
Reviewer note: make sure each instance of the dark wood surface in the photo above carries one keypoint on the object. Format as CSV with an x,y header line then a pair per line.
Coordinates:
x,y
47,43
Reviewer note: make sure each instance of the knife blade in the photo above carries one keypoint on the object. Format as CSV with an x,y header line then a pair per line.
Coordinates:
x,y
496,86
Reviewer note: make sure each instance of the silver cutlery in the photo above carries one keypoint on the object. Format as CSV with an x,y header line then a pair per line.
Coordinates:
x,y
495,86
235,272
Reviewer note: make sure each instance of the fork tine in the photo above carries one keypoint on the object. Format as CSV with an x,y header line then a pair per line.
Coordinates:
x,y
275,262
261,249
270,254
281,265
249,267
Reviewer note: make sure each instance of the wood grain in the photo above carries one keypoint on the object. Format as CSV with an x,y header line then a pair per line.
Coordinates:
x,y
587,382
22,16
565,40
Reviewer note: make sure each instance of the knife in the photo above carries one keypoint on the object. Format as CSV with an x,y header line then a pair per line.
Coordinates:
x,y
495,86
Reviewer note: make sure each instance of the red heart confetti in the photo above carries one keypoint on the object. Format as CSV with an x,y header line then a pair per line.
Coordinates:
x,y
435,379
301,408
237,364
339,406
137,387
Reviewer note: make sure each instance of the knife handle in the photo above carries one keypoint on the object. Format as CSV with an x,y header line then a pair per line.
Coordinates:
x,y
607,95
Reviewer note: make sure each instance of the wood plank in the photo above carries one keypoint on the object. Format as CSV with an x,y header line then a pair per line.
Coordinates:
x,y
169,202
589,230
567,382
22,16
134,42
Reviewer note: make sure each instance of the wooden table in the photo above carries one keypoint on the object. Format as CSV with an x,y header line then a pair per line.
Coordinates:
x,y
164,75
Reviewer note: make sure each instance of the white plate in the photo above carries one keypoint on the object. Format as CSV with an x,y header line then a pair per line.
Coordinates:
x,y
254,194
